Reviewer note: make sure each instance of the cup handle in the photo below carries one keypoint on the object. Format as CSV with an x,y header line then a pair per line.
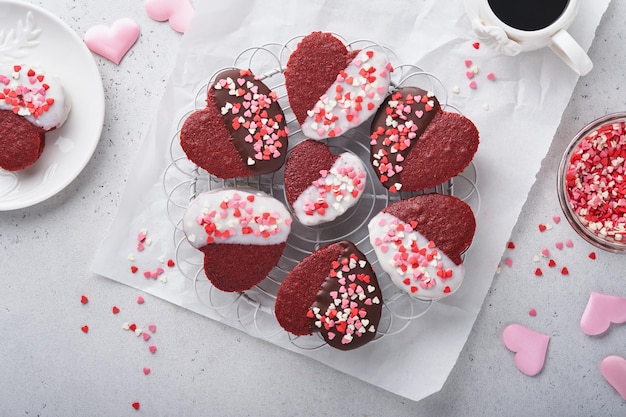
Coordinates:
x,y
571,52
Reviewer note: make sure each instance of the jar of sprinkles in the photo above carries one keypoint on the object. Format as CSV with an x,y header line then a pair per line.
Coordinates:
x,y
591,183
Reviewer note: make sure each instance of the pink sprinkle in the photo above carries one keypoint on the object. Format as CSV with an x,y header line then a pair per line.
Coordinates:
x,y
545,253
473,85
146,371
559,245
146,336
468,63
556,219
140,247
152,328
147,274
491,76
140,300
470,74
569,244
508,262
152,348
532,312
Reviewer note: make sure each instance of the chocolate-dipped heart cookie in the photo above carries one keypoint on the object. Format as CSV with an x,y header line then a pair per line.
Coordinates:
x,y
242,235
415,145
419,242
333,291
242,131
332,89
319,185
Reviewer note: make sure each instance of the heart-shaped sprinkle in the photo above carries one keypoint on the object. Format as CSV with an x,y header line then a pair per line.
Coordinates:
x,y
152,328
530,348
551,263
569,243
140,300
559,245
565,271
532,312
85,329
538,272
613,369
170,263
508,262
113,42
177,12
491,76
592,255
542,227
146,336
135,405
601,311
146,371
115,310
83,299
133,269
556,219
152,348
510,245
132,327
473,85
545,253
468,63
476,45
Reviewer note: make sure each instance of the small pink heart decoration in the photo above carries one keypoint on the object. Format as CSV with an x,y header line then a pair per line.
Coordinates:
x,y
530,348
112,42
613,369
177,12
601,311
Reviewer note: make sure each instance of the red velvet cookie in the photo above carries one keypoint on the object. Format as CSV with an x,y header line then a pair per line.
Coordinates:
x,y
21,142
333,291
415,145
419,242
31,103
242,132
321,186
332,89
242,235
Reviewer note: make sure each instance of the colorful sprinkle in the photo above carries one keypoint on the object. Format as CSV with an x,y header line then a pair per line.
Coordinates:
x,y
491,76
510,245
473,85
146,371
592,255
83,299
85,329
532,312
476,45
115,310
564,271
136,405
140,300
538,272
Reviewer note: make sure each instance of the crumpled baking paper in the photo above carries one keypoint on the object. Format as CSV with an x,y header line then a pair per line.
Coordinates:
x,y
517,115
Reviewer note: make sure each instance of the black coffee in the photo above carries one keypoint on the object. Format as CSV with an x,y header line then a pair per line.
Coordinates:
x,y
528,14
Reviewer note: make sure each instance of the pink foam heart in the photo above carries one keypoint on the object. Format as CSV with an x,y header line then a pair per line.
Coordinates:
x,y
530,348
177,12
113,42
601,311
613,369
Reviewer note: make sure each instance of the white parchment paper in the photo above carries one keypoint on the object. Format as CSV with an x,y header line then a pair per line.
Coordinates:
x,y
517,115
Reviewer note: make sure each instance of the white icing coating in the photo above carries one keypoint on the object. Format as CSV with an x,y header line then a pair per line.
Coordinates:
x,y
413,263
236,217
353,98
333,193
29,92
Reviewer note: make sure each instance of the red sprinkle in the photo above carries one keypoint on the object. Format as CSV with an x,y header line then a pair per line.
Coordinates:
x,y
83,299
511,245
538,272
476,45
115,310
551,263
85,329
592,255
170,263
565,271
542,227
135,405
134,269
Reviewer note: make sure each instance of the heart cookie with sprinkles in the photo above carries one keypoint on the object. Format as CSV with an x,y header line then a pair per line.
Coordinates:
x,y
415,145
31,103
242,235
242,131
321,186
333,291
419,242
332,89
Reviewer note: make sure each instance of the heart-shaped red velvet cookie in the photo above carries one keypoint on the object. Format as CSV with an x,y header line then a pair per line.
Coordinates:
x,y
319,185
332,89
242,131
415,145
419,242
242,235
333,291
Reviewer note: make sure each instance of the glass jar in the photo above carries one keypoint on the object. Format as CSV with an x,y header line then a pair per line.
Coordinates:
x,y
591,183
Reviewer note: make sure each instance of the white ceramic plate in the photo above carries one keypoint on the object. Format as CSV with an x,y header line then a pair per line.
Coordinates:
x,y
31,35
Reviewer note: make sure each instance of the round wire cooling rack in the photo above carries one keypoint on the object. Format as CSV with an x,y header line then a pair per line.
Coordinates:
x,y
253,310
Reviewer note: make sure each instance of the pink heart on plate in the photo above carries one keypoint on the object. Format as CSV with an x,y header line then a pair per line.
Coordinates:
x,y
601,311
178,12
530,348
613,369
115,41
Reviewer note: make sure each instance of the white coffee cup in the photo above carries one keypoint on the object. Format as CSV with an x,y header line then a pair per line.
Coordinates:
x,y
514,26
